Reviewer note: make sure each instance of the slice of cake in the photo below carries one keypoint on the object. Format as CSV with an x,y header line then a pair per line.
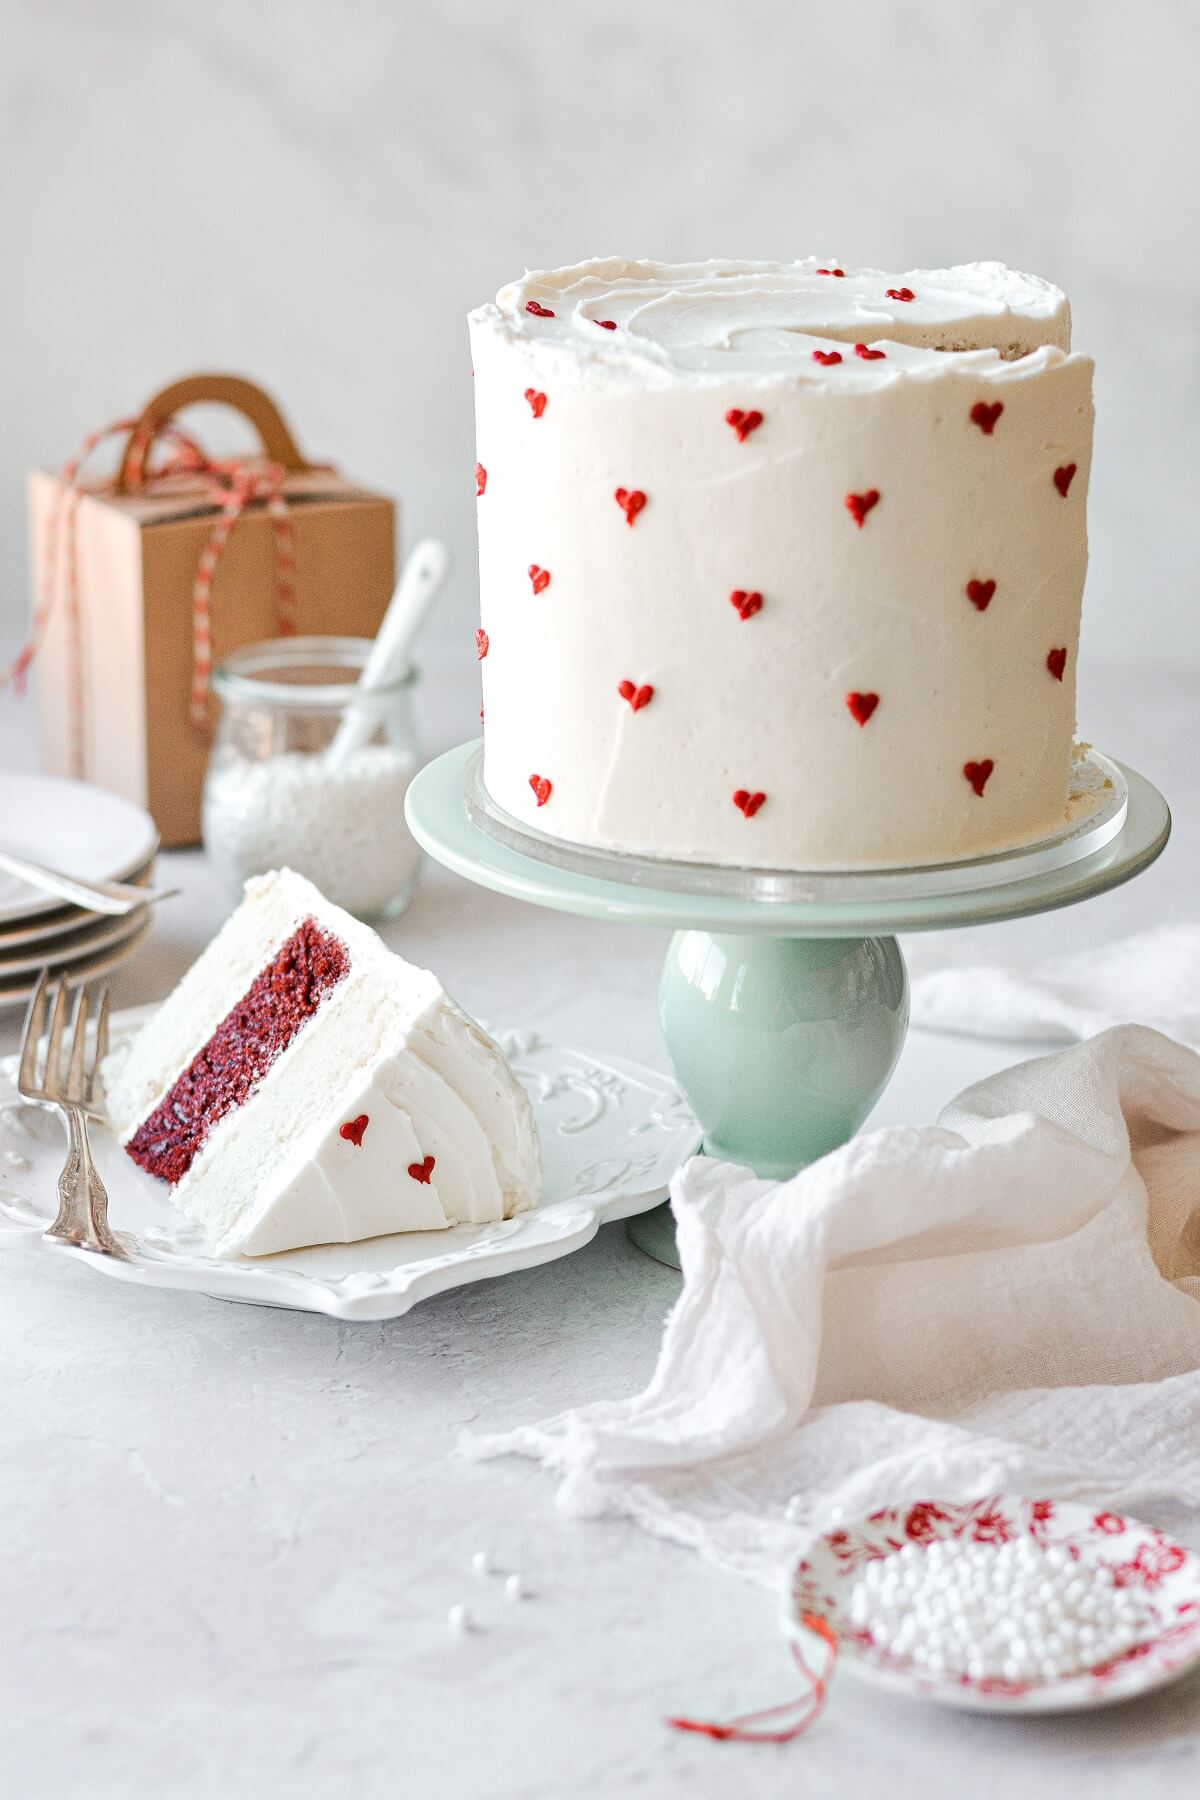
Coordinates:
x,y
781,563
303,1085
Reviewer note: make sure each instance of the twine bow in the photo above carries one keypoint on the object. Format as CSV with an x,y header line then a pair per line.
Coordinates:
x,y
231,484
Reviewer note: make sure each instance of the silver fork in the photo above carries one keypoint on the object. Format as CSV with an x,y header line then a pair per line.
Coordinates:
x,y
82,1200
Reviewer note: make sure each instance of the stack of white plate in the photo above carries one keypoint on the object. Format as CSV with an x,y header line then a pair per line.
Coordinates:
x,y
83,831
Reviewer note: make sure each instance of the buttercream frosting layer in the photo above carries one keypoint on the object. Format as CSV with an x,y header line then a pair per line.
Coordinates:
x,y
770,578
652,320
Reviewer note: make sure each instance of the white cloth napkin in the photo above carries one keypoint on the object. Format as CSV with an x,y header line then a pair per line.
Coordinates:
x,y
1153,978
1007,1300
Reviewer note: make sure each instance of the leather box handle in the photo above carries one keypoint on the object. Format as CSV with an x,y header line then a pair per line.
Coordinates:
x,y
221,390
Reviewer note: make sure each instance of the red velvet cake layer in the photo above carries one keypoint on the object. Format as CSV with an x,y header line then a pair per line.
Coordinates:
x,y
240,1051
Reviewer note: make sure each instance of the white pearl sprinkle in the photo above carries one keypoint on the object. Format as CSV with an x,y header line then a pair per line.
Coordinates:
x,y
481,1563
459,1620
514,1588
1015,1611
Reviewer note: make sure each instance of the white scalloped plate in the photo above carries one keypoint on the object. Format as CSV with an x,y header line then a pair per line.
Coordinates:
x,y
613,1133
1136,1555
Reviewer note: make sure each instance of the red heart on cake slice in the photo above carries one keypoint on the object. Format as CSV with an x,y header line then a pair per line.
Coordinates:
x,y
748,803
977,773
1056,662
859,505
1064,477
827,358
422,1171
541,787
631,502
482,643
353,1129
861,706
539,577
979,593
904,293
743,422
831,271
636,696
985,416
539,312
537,402
869,355
480,479
746,604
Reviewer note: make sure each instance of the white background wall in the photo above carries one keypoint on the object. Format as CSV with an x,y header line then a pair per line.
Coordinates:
x,y
316,193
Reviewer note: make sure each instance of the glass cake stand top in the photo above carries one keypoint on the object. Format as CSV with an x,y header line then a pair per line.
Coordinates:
x,y
784,998
454,818
1098,808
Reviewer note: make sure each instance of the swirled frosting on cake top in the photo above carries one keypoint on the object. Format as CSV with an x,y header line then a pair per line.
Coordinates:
x,y
766,319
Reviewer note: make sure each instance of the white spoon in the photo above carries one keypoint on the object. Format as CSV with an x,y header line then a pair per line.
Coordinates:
x,y
418,588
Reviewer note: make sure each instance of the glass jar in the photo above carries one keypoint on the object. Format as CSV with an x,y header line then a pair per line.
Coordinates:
x,y
284,789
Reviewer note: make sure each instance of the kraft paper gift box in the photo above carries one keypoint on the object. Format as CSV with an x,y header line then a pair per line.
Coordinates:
x,y
115,662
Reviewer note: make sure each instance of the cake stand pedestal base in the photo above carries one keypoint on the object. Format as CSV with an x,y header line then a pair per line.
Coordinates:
x,y
784,1002
780,1045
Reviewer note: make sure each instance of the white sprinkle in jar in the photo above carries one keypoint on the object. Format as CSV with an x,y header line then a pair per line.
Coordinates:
x,y
273,799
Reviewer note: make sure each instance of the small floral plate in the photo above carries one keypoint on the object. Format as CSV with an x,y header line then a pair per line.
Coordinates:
x,y
1166,1574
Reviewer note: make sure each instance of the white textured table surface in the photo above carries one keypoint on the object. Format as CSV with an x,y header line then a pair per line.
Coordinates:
x,y
230,1536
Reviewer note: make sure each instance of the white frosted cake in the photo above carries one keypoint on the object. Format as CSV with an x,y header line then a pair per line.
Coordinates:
x,y
781,564
303,1085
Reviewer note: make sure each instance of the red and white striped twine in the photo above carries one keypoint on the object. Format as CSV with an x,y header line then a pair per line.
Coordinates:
x,y
778,1724
232,484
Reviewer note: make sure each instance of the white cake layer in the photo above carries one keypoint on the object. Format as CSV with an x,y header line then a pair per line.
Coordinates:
x,y
759,704
386,1042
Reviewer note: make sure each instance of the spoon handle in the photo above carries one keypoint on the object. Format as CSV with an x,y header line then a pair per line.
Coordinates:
x,y
419,587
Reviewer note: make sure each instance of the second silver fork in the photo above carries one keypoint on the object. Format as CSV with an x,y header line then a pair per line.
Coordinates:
x,y
82,1199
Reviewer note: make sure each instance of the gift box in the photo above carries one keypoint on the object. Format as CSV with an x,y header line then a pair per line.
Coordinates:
x,y
144,582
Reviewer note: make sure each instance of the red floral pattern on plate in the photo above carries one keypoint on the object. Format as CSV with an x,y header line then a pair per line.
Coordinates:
x,y
1134,1554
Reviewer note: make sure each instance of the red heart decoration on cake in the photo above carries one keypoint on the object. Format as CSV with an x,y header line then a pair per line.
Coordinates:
x,y
636,696
607,324
353,1129
900,294
859,505
985,416
422,1171
869,355
631,502
831,271
537,402
1064,477
480,479
482,643
827,358
542,788
979,593
747,802
539,312
1056,662
862,706
539,577
977,774
743,422
746,604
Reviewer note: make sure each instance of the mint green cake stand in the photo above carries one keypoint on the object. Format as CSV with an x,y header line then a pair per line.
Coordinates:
x,y
784,998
